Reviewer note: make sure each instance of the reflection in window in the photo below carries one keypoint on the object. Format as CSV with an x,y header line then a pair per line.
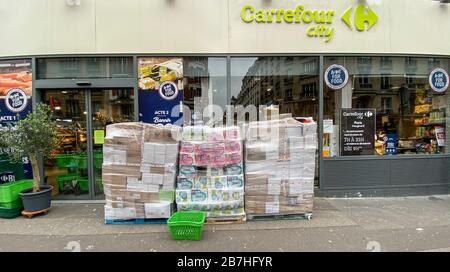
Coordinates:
x,y
205,83
101,67
288,82
410,117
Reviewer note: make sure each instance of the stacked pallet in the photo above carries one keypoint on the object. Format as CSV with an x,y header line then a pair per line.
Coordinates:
x,y
139,171
211,172
280,167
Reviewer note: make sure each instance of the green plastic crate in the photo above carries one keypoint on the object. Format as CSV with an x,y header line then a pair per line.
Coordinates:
x,y
81,161
84,183
9,192
10,213
63,179
98,160
14,204
65,160
187,225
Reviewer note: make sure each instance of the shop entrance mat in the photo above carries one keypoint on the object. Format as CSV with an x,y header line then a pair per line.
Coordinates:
x,y
226,220
302,216
139,221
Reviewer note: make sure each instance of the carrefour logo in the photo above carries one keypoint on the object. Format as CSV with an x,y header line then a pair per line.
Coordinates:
x,y
368,114
362,15
319,21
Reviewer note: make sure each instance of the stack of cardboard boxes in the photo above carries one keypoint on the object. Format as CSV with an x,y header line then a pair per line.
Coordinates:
x,y
211,171
139,171
280,167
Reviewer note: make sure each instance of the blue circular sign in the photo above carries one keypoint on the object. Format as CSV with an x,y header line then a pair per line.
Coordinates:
x,y
168,90
438,80
16,100
336,76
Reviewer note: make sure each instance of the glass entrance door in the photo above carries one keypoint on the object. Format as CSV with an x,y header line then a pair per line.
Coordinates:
x,y
67,171
108,107
75,169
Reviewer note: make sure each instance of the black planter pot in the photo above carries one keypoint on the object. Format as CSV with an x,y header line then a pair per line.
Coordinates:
x,y
37,201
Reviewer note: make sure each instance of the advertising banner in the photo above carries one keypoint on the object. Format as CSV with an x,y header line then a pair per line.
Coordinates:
x,y
160,89
357,132
15,96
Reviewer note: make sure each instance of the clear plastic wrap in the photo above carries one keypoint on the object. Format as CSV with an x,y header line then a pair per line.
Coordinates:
x,y
210,175
279,167
139,170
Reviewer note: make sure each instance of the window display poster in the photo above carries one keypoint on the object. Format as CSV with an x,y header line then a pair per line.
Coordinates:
x,y
15,95
440,136
160,89
391,141
357,131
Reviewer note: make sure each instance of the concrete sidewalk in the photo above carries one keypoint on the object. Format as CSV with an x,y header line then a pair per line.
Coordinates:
x,y
362,224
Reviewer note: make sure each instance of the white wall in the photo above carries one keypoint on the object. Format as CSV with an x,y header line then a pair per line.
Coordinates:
x,y
35,27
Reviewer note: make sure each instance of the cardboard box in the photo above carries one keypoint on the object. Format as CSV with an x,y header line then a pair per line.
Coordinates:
x,y
158,210
157,134
142,186
119,213
115,180
125,170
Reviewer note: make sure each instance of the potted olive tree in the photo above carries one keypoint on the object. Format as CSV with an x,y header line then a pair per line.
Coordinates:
x,y
35,137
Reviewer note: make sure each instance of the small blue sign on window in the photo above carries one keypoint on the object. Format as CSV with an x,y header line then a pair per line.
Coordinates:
x,y
336,76
391,144
438,80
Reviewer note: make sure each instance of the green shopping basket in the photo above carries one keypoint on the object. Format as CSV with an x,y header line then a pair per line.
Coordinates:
x,y
187,225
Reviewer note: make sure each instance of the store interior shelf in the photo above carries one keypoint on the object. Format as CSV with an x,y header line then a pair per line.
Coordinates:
x,y
431,124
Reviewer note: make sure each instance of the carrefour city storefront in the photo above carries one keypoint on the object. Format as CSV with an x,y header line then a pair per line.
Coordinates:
x,y
373,74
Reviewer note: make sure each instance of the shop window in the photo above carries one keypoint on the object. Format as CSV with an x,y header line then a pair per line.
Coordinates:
x,y
310,67
364,61
289,95
409,79
410,64
279,80
364,82
386,62
386,105
433,62
70,68
205,83
398,115
385,82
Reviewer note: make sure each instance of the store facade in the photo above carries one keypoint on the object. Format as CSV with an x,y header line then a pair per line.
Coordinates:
x,y
90,64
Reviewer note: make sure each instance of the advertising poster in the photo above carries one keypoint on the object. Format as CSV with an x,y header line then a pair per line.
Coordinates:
x,y
15,96
440,136
357,132
160,89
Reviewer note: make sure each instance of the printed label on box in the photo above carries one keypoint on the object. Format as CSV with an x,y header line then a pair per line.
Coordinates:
x,y
201,183
219,182
183,196
235,181
235,169
214,171
185,183
233,147
216,195
199,196
272,207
